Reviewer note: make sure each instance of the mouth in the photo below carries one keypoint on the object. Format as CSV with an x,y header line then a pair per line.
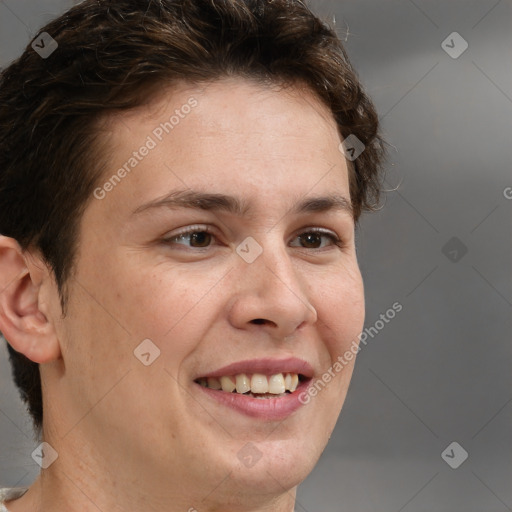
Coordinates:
x,y
264,388
256,385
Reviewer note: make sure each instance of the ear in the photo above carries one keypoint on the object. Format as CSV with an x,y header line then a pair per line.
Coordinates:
x,y
23,321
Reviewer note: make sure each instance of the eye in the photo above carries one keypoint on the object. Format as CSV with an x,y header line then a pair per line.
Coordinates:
x,y
313,236
200,237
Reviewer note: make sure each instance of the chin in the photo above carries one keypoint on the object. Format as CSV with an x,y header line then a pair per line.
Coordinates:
x,y
270,467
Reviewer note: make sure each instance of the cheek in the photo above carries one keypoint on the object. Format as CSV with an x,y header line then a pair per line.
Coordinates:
x,y
341,308
341,311
171,307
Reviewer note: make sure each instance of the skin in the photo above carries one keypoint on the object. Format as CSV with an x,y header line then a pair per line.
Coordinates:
x,y
135,437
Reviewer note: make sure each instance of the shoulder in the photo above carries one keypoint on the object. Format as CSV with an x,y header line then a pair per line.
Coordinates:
x,y
10,493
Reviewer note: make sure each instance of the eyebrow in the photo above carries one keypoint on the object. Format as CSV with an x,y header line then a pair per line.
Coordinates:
x,y
240,207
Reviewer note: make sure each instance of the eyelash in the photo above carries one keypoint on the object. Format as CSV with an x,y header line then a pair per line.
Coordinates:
x,y
336,241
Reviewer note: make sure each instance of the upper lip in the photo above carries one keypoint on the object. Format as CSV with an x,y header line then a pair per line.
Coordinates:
x,y
266,365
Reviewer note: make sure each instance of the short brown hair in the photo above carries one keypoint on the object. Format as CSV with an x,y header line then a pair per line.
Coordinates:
x,y
110,54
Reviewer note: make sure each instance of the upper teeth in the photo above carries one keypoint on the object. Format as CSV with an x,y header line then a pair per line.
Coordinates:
x,y
257,383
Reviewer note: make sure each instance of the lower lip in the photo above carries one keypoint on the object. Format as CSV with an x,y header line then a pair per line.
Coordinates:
x,y
263,408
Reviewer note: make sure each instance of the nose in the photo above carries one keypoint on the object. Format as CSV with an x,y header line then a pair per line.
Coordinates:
x,y
271,295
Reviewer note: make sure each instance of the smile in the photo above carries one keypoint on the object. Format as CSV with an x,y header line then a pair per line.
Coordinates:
x,y
257,385
264,388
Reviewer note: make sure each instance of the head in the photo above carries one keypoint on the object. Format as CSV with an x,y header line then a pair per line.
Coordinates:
x,y
102,145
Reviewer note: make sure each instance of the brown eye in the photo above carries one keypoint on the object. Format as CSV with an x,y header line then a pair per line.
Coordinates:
x,y
201,238
312,239
195,237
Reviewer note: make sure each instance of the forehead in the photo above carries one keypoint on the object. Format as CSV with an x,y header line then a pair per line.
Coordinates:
x,y
227,108
226,136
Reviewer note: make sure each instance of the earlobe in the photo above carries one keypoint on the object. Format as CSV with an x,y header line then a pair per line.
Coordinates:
x,y
23,324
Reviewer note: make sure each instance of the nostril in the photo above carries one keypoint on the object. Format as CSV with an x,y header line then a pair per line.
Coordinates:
x,y
258,321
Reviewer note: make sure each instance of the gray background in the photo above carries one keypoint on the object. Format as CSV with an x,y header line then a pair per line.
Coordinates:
x,y
440,370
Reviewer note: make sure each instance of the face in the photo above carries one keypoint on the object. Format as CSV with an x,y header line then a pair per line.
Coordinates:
x,y
270,288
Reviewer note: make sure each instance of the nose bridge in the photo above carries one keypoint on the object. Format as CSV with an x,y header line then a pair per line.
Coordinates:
x,y
276,264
